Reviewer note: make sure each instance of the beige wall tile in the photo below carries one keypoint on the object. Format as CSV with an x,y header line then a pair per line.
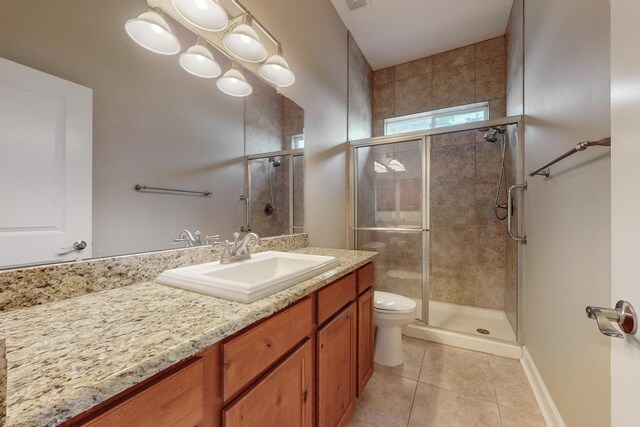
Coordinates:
x,y
413,95
454,86
453,203
491,48
488,158
453,163
489,287
497,108
491,78
383,101
454,58
415,68
378,127
434,406
454,138
453,246
485,200
383,76
360,88
453,284
491,243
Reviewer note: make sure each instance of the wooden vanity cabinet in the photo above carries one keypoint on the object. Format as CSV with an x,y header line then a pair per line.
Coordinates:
x,y
366,327
337,364
366,331
283,397
301,367
185,395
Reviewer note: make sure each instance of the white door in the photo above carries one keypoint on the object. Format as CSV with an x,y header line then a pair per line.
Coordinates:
x,y
45,166
625,203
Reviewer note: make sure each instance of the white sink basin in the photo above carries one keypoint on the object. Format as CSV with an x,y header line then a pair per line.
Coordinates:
x,y
247,281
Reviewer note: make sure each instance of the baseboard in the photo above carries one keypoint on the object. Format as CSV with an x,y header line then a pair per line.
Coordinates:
x,y
545,402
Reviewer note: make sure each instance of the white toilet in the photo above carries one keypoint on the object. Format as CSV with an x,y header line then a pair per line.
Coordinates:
x,y
391,312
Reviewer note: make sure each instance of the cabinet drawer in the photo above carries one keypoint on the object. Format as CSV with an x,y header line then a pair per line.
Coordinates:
x,y
177,400
284,397
365,277
248,355
335,296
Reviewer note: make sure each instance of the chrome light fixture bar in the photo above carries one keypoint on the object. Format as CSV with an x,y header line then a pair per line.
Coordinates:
x,y
233,36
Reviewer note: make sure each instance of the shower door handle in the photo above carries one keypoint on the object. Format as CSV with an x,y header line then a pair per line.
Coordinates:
x,y
517,238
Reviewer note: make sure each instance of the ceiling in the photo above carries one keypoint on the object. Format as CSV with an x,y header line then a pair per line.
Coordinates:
x,y
391,32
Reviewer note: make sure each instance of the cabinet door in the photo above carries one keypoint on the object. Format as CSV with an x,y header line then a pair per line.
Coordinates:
x,y
337,369
283,398
365,339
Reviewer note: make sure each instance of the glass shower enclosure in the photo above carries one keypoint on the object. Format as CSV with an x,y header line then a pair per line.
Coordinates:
x,y
426,202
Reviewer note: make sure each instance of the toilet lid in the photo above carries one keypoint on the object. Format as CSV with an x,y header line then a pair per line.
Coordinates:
x,y
392,302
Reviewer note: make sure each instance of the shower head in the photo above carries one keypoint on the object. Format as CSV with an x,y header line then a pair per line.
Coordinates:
x,y
275,162
492,136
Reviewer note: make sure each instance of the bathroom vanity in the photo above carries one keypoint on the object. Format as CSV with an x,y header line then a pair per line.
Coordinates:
x,y
148,354
267,373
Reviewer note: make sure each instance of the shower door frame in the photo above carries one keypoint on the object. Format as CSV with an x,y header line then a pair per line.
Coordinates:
x,y
425,147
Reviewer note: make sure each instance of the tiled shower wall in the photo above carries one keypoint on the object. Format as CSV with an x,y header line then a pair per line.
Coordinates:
x,y
467,242
461,76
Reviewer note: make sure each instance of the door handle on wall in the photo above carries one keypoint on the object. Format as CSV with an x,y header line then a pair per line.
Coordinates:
x,y
624,315
522,239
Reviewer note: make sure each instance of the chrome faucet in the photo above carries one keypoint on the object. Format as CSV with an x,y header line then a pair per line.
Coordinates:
x,y
238,250
189,239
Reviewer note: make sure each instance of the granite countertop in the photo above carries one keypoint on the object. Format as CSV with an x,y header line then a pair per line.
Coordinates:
x,y
66,357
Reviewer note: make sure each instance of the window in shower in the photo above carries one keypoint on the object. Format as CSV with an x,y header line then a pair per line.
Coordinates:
x,y
437,118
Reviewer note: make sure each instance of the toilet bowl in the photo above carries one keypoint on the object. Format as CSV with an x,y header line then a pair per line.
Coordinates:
x,y
391,312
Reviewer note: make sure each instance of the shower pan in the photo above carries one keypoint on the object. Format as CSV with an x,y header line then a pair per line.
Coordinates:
x,y
433,204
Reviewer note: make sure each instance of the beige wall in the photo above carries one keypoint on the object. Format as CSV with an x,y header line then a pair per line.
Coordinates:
x,y
315,45
461,76
567,262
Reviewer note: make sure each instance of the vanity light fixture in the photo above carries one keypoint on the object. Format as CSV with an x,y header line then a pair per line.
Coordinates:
x,y
276,70
151,31
233,83
243,42
199,61
236,37
205,14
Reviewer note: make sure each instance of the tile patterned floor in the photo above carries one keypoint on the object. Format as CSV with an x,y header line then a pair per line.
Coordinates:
x,y
442,386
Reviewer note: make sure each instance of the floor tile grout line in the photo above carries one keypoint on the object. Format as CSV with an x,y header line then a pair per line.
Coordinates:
x,y
415,391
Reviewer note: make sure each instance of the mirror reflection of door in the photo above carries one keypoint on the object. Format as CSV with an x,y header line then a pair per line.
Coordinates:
x,y
45,167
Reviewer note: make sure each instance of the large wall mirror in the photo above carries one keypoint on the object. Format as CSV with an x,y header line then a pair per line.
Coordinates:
x,y
86,112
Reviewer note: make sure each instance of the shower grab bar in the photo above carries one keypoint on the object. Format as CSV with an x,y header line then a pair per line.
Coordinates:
x,y
139,187
544,170
517,238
